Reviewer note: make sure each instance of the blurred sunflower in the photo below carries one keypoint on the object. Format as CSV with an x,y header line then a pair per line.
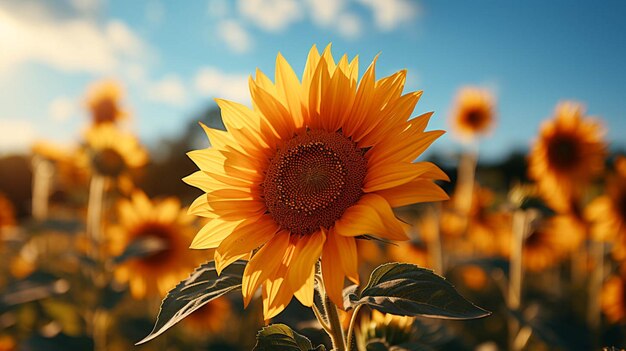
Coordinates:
x,y
613,299
387,329
111,152
7,213
166,227
473,276
413,251
311,167
570,151
473,112
7,343
542,248
484,229
211,318
68,173
608,212
103,101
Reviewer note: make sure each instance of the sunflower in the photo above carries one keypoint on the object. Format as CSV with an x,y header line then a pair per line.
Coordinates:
x,y
7,213
311,167
613,299
473,112
474,277
103,101
543,246
570,151
68,175
384,328
415,252
165,225
484,229
7,343
111,152
608,212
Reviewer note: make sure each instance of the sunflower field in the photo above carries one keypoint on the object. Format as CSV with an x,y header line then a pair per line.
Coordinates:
x,y
321,209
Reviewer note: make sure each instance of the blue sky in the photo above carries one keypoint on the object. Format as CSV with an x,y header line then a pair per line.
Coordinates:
x,y
174,57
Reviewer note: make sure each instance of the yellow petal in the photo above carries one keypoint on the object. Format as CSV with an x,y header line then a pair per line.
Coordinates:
x,y
213,233
275,113
362,102
200,207
385,175
306,253
305,293
332,270
289,89
245,237
263,264
415,191
371,215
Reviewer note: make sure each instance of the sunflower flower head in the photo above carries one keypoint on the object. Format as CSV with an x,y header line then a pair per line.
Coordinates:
x,y
474,112
7,343
7,213
607,213
384,328
111,152
166,227
613,299
569,152
314,164
544,246
103,101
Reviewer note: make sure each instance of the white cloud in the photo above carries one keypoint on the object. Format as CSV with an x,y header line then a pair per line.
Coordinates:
x,y
349,25
16,134
62,108
218,8
210,81
155,12
325,12
86,6
136,73
169,90
271,15
234,36
123,40
75,44
389,14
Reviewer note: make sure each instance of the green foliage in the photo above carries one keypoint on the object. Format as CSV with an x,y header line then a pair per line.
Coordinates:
x,y
381,345
194,292
141,247
279,337
408,290
37,286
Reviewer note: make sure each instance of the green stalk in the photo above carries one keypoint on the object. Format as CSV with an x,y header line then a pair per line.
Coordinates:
x,y
351,326
336,330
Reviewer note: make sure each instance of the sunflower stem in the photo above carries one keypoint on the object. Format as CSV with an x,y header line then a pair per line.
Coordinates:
x,y
42,176
594,313
351,327
321,320
336,331
516,273
437,250
465,184
94,212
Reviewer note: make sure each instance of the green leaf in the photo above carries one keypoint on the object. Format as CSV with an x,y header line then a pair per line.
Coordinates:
x,y
194,292
141,247
408,290
279,337
377,345
37,286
